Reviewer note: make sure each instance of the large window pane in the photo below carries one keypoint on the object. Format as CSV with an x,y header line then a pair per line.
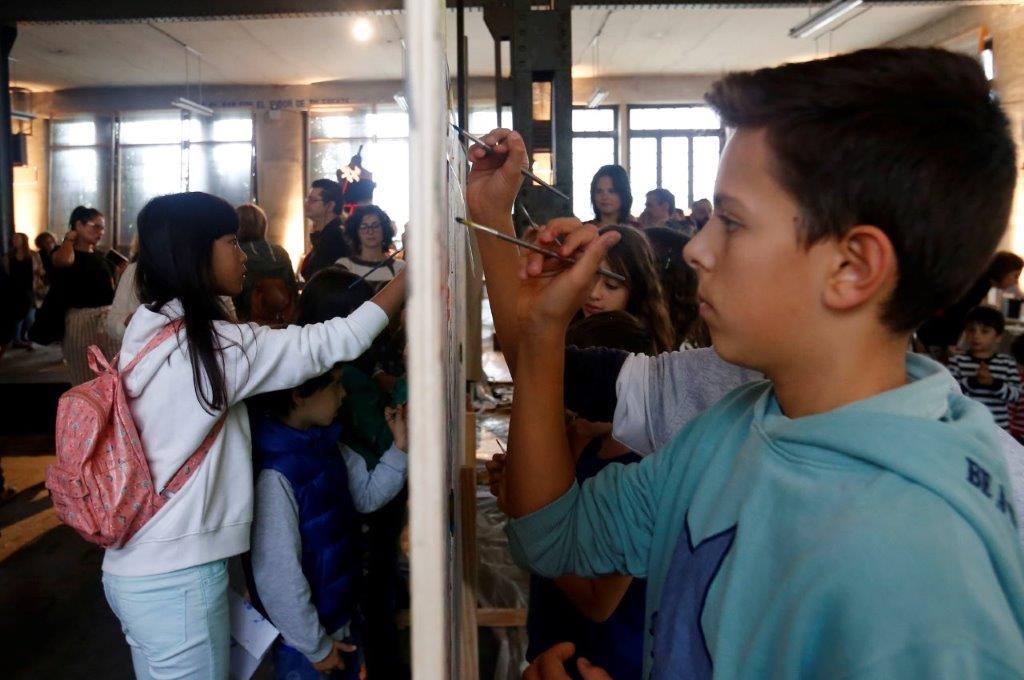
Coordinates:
x,y
593,120
674,118
588,155
223,170
387,160
146,172
706,152
162,128
643,168
79,170
75,180
482,121
340,125
223,128
675,168
74,132
384,135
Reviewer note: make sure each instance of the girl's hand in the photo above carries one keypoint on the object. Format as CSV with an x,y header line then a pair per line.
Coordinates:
x,y
550,298
495,177
395,417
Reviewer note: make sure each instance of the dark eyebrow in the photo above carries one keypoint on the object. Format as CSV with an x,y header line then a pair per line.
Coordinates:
x,y
725,200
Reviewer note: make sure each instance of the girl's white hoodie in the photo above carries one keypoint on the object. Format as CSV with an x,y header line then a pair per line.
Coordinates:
x,y
209,518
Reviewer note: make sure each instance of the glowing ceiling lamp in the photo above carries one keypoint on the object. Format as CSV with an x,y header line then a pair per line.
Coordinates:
x,y
362,29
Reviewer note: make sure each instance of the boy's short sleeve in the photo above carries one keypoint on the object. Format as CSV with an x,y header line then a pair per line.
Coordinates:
x,y
658,396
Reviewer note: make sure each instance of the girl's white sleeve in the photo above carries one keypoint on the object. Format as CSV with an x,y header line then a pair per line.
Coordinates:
x,y
258,359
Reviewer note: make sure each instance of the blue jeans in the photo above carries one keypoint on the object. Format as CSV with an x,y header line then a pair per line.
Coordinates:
x,y
177,624
21,330
291,664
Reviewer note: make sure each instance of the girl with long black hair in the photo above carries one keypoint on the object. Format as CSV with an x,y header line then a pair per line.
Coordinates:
x,y
168,584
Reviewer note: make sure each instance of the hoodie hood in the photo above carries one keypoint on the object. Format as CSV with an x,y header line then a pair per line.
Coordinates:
x,y
955,453
144,324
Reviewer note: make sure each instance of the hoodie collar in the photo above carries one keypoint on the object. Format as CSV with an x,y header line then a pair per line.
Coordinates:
x,y
925,395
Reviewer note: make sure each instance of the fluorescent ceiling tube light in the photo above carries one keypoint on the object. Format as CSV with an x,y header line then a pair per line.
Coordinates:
x,y
192,107
826,17
600,94
402,102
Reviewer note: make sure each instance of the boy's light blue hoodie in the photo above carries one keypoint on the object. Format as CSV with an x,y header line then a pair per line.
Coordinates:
x,y
873,541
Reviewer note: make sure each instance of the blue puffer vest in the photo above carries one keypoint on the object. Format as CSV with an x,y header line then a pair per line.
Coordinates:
x,y
328,524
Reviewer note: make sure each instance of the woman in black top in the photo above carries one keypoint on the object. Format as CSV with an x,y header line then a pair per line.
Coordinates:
x,y
86,280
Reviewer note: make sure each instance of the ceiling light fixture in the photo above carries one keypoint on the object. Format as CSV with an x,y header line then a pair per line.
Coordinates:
x,y
362,29
988,59
186,104
402,102
600,94
829,15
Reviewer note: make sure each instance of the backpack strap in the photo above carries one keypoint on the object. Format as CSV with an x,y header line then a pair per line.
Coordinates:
x,y
185,472
189,467
164,333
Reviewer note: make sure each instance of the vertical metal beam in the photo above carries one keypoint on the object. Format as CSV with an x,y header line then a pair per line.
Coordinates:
x,y
542,52
8,33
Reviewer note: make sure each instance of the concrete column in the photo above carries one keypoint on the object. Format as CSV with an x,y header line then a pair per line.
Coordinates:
x,y
280,155
31,183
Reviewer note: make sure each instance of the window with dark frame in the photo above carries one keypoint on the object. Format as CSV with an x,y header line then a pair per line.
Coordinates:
x,y
674,147
595,143
117,165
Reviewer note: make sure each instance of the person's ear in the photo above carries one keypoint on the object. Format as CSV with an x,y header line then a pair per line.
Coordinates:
x,y
862,269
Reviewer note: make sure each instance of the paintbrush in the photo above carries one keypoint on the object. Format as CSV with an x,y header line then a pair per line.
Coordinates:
x,y
535,248
383,263
526,173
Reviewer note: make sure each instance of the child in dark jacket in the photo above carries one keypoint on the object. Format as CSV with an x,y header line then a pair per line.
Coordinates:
x,y
305,548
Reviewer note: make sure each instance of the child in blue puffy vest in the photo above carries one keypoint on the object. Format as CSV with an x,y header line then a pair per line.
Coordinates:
x,y
305,550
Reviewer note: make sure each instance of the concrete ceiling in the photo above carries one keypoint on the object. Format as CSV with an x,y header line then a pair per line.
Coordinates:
x,y
303,50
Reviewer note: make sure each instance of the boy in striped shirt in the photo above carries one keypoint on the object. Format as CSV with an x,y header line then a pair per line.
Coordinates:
x,y
985,374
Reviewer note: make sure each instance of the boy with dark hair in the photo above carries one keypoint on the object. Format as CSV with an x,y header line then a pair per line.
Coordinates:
x,y
322,208
306,565
802,527
984,373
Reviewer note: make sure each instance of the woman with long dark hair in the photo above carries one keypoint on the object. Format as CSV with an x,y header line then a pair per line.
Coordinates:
x,y
641,294
168,583
611,197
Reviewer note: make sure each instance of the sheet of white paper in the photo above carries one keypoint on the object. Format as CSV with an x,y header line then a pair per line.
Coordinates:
x,y
243,664
252,636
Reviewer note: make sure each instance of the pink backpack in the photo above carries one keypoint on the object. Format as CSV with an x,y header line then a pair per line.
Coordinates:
x,y
101,484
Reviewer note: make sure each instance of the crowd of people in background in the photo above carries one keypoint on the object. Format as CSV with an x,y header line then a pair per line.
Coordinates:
x,y
301,365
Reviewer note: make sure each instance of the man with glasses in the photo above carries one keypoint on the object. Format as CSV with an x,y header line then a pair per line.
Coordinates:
x,y
323,208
